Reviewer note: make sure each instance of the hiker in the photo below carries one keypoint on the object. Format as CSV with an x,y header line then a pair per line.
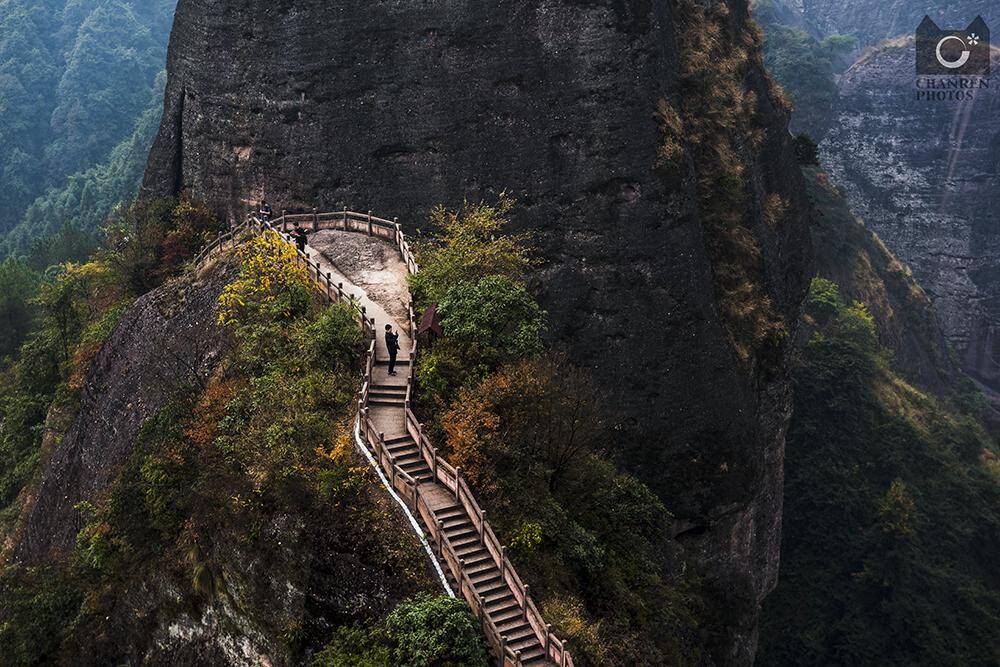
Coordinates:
x,y
392,344
265,210
299,235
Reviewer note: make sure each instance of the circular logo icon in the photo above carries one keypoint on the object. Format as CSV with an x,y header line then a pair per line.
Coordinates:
x,y
952,64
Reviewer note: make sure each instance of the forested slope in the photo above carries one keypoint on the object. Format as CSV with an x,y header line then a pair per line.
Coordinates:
x,y
891,525
76,78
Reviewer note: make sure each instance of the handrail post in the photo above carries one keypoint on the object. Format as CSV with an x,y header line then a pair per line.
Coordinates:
x,y
440,536
482,527
548,639
503,563
458,484
434,452
525,601
284,220
369,223
315,220
345,218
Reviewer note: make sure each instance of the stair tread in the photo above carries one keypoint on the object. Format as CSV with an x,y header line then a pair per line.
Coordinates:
x,y
514,614
460,532
526,642
499,595
520,634
535,656
455,510
483,573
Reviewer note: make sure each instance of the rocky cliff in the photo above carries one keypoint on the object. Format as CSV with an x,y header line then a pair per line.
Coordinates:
x,y
925,178
168,340
682,310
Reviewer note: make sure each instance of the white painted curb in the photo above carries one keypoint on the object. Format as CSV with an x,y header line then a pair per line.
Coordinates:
x,y
406,510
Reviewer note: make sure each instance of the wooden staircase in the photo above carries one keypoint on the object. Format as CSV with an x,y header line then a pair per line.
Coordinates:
x,y
465,545
459,538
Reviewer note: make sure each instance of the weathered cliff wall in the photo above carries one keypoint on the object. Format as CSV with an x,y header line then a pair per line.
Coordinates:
x,y
925,179
398,106
169,339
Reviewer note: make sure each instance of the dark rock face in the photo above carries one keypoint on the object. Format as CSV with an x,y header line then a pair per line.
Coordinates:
x,y
168,339
925,178
398,106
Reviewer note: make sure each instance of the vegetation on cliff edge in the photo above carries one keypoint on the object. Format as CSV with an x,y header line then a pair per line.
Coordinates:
x,y
530,433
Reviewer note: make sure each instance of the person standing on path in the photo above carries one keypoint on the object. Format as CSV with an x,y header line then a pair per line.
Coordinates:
x,y
299,235
392,344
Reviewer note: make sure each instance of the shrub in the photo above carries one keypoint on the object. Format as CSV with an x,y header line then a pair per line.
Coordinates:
x,y
354,646
823,300
492,320
333,340
855,324
468,246
539,418
152,240
38,611
526,537
435,630
271,286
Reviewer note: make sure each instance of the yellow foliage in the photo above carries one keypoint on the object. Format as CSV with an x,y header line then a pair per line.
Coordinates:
x,y
567,616
775,208
268,267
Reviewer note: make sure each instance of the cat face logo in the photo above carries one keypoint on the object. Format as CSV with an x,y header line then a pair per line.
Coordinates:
x,y
957,52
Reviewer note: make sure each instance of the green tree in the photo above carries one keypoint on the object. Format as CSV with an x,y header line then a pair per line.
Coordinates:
x,y
17,287
435,630
494,319
469,244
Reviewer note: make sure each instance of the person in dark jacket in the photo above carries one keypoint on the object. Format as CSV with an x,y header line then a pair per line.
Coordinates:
x,y
299,235
265,211
392,344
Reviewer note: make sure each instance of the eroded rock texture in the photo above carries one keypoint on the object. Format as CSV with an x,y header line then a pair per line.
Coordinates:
x,y
924,176
397,106
169,339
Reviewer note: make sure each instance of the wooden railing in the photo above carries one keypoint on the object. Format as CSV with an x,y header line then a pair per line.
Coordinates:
x,y
444,473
